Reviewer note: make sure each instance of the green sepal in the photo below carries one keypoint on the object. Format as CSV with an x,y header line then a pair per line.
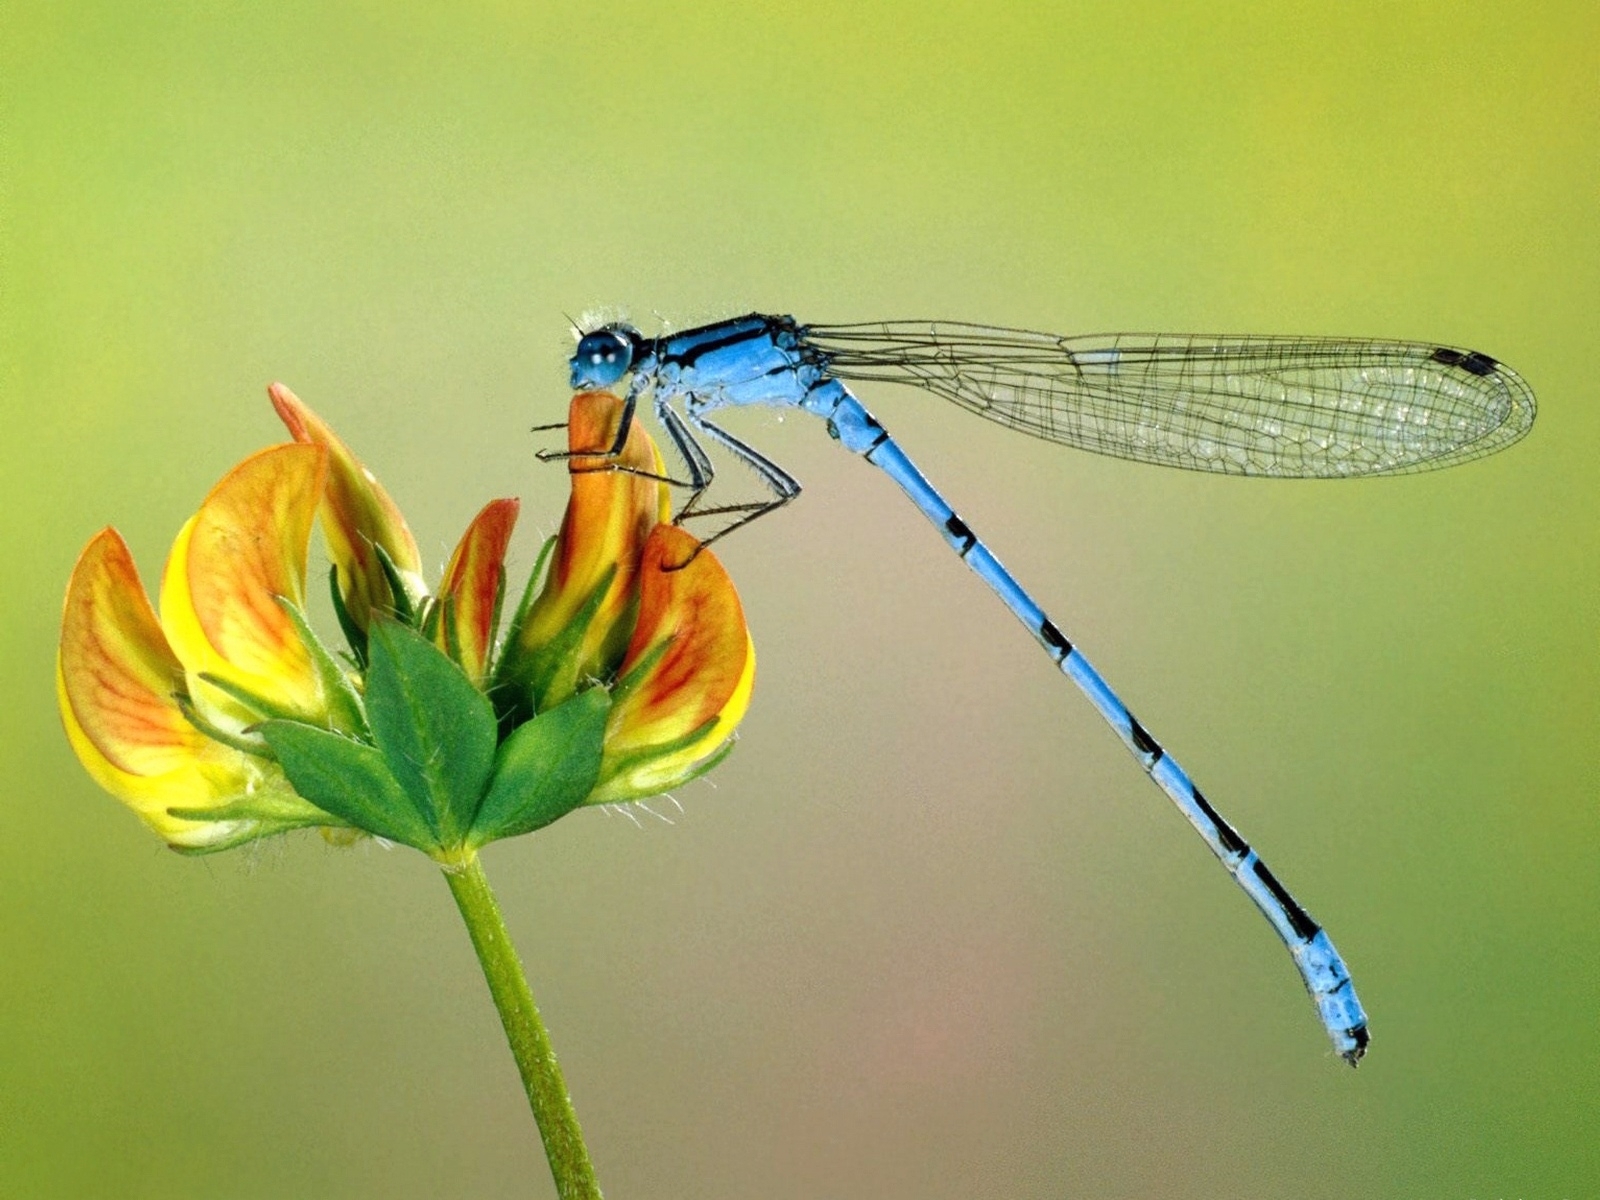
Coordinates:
x,y
529,593
442,616
252,831
399,599
551,672
639,758
260,705
243,742
436,731
704,767
545,769
344,705
269,811
494,620
435,609
513,698
354,636
427,619
712,761
630,682
349,779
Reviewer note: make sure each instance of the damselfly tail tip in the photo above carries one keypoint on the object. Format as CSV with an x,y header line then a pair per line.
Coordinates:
x,y
1359,1040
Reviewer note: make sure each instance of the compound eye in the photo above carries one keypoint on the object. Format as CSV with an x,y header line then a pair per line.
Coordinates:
x,y
601,359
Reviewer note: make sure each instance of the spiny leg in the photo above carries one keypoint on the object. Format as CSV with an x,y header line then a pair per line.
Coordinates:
x,y
784,486
702,471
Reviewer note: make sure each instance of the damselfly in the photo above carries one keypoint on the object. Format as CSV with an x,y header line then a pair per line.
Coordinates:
x,y
1239,405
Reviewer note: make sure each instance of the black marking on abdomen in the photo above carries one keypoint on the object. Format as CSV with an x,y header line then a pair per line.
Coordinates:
x,y
1468,360
1226,834
1298,917
1143,742
1054,638
957,528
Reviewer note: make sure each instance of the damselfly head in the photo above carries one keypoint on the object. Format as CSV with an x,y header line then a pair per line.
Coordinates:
x,y
604,356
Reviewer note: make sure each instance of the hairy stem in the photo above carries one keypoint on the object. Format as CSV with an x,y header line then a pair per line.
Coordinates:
x,y
530,1044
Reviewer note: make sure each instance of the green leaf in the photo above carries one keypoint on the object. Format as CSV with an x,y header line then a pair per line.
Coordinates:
x,y
348,779
436,731
545,769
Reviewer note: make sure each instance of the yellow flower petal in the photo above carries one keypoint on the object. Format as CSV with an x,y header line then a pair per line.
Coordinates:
x,y
357,514
608,517
472,588
244,549
703,678
116,677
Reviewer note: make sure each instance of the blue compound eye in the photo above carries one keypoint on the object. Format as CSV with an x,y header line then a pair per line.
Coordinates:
x,y
602,358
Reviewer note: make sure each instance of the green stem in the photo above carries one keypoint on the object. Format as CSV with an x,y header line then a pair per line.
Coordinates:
x,y
530,1044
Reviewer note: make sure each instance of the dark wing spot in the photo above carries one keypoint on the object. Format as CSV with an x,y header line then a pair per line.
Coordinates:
x,y
1468,360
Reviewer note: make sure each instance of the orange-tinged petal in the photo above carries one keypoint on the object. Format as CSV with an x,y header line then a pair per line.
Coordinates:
x,y
115,682
473,586
357,514
235,558
608,518
705,674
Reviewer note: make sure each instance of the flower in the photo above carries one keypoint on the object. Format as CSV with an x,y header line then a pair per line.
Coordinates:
x,y
371,547
226,718
686,677
156,708
634,599
578,626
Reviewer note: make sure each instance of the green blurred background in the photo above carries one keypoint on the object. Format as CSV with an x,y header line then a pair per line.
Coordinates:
x,y
931,934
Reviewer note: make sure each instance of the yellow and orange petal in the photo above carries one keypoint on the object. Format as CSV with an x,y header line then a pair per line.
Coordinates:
x,y
473,587
609,515
232,562
357,515
116,680
701,681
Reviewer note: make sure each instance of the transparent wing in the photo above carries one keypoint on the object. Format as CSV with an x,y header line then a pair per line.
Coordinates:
x,y
1241,405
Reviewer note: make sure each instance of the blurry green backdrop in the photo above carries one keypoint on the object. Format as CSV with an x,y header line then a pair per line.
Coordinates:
x,y
931,933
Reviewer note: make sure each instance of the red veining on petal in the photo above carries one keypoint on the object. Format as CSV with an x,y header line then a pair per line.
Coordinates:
x,y
608,517
472,586
230,565
697,607
357,513
118,672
